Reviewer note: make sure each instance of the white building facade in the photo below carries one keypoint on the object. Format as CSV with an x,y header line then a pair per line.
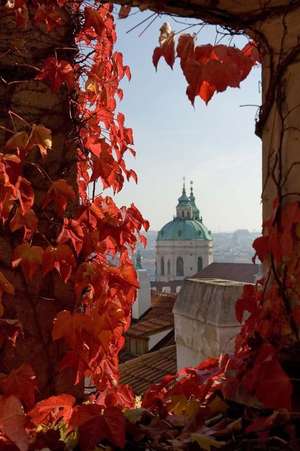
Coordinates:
x,y
184,245
143,300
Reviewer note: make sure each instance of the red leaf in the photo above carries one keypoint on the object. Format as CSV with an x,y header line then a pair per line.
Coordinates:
x,y
251,51
71,231
120,396
60,258
49,15
95,19
21,383
261,247
57,72
25,194
60,194
166,50
267,380
12,421
185,47
52,409
247,302
94,426
29,257
28,221
209,69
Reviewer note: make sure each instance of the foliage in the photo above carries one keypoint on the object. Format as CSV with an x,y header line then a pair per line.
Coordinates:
x,y
207,68
83,248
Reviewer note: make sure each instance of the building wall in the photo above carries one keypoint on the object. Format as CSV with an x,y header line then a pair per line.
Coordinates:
x,y
143,300
205,321
189,251
154,339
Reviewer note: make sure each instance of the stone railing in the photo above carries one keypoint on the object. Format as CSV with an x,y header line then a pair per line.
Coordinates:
x,y
205,322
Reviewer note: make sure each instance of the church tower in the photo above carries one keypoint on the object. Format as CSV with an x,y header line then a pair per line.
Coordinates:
x,y
184,245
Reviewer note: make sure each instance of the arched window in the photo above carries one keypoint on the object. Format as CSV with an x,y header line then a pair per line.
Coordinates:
x,y
179,267
162,266
200,264
169,267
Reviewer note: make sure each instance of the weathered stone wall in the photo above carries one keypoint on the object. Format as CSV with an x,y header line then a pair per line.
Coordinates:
x,y
205,322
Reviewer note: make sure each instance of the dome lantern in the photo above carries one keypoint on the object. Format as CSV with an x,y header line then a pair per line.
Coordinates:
x,y
184,209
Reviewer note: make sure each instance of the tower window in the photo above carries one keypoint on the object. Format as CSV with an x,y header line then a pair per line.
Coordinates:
x,y
200,264
169,267
179,267
162,266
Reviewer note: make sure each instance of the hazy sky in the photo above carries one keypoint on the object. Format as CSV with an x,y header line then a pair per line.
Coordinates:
x,y
212,145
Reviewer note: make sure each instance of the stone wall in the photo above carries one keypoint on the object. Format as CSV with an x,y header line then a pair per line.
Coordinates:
x,y
205,322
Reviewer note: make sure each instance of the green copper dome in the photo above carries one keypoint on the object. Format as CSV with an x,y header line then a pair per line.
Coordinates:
x,y
184,229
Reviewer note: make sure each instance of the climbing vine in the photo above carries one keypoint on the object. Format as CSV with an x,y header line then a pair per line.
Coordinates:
x,y
67,282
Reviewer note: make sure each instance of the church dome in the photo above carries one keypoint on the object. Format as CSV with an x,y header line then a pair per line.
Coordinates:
x,y
187,225
184,229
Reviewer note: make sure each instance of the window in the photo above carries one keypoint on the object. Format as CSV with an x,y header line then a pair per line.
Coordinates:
x,y
169,267
200,264
179,266
162,266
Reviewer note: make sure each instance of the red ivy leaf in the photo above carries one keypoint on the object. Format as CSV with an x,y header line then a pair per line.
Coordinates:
x,y
49,15
29,257
12,421
21,383
94,19
247,302
52,409
60,194
166,50
267,380
93,426
28,221
261,247
57,72
60,258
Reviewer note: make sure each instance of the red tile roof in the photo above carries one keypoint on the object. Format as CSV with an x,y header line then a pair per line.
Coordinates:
x,y
239,272
159,317
148,369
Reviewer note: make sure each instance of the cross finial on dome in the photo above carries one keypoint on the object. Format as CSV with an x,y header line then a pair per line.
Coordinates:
x,y
183,188
191,185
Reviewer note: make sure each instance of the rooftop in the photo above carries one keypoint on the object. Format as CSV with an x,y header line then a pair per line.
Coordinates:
x,y
159,317
148,369
239,272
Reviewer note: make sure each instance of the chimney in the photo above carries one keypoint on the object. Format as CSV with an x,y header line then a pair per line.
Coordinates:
x,y
143,300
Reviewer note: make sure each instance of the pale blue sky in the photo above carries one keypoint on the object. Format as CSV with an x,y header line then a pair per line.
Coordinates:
x,y
213,145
